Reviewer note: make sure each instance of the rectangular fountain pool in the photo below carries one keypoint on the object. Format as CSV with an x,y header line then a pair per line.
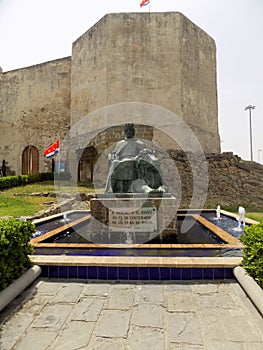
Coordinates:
x,y
207,237
187,259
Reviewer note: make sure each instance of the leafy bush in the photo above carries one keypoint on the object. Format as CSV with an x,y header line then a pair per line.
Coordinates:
x,y
14,249
253,252
22,180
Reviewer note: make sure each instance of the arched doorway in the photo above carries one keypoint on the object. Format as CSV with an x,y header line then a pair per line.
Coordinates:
x,y
86,163
30,160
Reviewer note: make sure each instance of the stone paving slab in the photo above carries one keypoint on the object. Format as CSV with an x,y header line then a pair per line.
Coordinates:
x,y
75,335
38,339
147,339
52,316
113,324
185,328
190,315
181,301
148,294
69,293
121,299
148,315
49,288
88,309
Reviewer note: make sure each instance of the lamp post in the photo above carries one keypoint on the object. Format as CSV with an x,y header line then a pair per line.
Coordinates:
x,y
250,128
259,151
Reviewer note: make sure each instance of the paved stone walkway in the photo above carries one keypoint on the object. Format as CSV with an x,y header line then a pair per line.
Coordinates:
x,y
190,315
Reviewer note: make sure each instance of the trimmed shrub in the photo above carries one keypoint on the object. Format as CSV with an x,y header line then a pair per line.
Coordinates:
x,y
14,249
253,252
22,180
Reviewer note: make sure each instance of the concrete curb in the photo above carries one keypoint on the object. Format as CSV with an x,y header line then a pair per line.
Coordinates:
x,y
252,289
17,287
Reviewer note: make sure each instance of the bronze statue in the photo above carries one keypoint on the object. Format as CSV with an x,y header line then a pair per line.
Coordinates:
x,y
132,167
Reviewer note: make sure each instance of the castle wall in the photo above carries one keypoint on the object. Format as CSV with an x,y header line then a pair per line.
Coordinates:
x,y
35,110
158,58
231,181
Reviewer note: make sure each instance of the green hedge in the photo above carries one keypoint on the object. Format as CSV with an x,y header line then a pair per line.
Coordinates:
x,y
253,252
22,180
14,249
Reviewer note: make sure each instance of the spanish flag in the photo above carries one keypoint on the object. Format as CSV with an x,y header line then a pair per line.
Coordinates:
x,y
52,150
144,3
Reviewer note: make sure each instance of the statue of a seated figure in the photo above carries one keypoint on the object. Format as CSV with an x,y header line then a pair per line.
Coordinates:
x,y
132,167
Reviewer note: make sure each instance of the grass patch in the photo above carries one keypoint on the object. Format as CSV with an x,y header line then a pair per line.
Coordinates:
x,y
18,202
19,206
255,216
47,186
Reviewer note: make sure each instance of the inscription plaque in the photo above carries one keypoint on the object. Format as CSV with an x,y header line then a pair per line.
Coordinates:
x,y
141,220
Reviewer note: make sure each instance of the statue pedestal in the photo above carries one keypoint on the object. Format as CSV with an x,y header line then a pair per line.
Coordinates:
x,y
134,219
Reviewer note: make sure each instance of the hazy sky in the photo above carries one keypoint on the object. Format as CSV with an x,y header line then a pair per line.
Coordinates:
x,y
36,31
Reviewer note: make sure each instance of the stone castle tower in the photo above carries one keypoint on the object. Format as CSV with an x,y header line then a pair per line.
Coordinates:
x,y
158,58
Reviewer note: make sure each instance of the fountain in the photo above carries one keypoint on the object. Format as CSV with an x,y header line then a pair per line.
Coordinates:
x,y
65,218
129,236
218,213
241,219
137,216
204,238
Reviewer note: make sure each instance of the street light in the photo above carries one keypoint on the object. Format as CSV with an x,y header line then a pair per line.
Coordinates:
x,y
259,151
250,128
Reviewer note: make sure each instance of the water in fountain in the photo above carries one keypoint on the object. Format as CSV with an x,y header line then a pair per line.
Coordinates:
x,y
218,210
37,234
65,218
129,239
241,219
128,236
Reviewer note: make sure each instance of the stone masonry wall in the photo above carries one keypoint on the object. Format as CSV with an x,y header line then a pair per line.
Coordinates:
x,y
34,110
113,135
231,180
159,58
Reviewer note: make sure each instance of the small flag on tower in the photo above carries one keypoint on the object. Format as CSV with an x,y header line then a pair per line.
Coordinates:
x,y
144,3
52,150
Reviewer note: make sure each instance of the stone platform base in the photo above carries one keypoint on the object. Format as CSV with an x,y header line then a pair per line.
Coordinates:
x,y
134,220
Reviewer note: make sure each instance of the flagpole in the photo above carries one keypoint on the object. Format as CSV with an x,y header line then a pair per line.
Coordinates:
x,y
59,165
59,159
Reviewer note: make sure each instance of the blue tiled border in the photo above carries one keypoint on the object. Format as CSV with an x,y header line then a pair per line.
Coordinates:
x,y
136,273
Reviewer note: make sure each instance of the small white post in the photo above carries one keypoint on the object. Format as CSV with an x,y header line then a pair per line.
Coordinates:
x,y
218,209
